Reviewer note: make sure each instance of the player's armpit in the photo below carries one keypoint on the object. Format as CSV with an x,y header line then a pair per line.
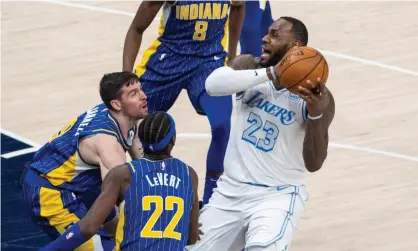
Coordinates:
x,y
194,213
110,153
315,144
143,18
236,19
114,186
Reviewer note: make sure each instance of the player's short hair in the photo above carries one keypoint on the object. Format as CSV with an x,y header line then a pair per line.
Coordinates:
x,y
112,83
154,128
300,32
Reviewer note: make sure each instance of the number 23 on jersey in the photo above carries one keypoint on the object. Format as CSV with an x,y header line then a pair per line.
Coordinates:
x,y
271,130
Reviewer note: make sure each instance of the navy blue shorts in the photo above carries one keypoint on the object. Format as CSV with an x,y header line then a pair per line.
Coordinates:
x,y
164,75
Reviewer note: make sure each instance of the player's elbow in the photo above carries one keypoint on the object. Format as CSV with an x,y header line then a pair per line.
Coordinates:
x,y
210,87
313,168
216,83
316,164
193,237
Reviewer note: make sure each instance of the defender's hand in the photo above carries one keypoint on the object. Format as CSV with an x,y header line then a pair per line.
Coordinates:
x,y
244,62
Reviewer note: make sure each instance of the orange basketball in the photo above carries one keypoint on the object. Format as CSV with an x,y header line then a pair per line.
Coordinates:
x,y
300,64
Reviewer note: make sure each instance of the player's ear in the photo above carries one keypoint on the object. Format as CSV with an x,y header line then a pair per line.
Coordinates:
x,y
296,43
116,105
173,140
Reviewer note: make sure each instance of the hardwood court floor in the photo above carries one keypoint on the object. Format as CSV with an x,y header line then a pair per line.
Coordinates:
x,y
364,198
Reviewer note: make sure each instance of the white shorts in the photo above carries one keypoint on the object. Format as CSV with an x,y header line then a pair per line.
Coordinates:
x,y
253,217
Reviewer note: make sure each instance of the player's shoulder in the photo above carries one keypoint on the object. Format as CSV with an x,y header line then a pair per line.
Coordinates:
x,y
98,116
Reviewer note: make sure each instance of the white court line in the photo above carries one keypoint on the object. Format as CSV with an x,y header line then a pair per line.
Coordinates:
x,y
333,54
15,136
333,145
206,136
34,148
89,7
19,152
369,62
325,52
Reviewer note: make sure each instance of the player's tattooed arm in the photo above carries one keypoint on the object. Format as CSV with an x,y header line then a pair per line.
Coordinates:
x,y
194,213
145,14
114,187
321,111
236,19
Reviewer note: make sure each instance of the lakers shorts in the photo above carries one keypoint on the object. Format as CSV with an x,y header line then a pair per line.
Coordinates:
x,y
248,216
55,210
164,75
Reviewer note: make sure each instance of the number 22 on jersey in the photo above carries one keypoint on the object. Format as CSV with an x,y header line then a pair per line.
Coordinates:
x,y
271,130
160,206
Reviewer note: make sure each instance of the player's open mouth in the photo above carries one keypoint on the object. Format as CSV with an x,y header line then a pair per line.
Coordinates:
x,y
265,55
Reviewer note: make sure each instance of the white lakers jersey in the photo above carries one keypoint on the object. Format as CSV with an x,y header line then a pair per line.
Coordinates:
x,y
266,142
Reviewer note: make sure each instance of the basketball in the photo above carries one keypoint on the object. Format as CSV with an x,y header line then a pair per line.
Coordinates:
x,y
300,64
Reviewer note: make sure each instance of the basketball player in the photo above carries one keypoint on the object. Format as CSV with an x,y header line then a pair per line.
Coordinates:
x,y
191,44
65,175
257,21
278,137
160,206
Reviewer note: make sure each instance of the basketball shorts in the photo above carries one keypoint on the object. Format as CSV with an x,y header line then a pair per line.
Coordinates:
x,y
55,210
164,75
251,217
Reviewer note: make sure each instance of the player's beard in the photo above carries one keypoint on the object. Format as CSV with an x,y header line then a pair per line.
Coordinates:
x,y
276,57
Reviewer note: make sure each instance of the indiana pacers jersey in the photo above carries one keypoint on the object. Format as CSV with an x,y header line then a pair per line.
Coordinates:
x,y
266,143
197,28
155,212
59,160
191,44
190,33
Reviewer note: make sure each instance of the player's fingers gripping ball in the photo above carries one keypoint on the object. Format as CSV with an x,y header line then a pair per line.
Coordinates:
x,y
299,65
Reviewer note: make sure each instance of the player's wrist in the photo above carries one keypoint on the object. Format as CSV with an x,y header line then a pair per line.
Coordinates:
x,y
314,117
261,75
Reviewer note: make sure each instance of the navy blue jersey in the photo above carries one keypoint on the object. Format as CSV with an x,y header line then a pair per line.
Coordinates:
x,y
195,28
59,160
189,30
156,208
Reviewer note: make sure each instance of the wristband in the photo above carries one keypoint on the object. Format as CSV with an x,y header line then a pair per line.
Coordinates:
x,y
314,118
69,240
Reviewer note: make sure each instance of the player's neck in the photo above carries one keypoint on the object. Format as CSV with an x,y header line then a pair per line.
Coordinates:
x,y
125,122
159,156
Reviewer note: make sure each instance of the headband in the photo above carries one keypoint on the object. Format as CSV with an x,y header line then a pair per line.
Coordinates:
x,y
163,143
